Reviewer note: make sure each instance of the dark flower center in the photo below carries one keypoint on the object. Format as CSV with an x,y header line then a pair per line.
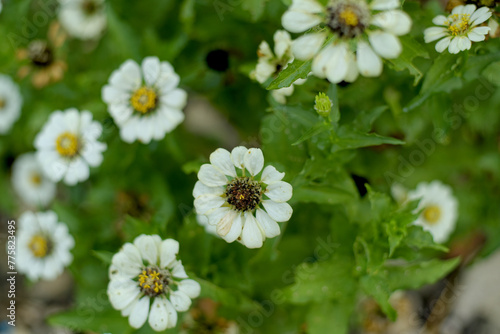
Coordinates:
x,y
40,54
244,194
89,7
347,19
153,281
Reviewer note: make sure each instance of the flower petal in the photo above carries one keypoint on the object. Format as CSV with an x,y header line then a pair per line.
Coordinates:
x,y
440,20
251,236
201,189
221,159
267,224
237,156
139,313
338,64
279,191
302,15
160,315
180,301
443,44
254,161
204,204
305,47
147,247
190,287
369,64
395,22
453,47
211,176
234,228
271,174
385,44
151,70
384,4
281,212
168,251
226,222
434,33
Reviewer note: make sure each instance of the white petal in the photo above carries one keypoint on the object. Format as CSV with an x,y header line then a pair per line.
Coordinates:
x,y
151,70
443,44
480,16
475,37
369,64
139,313
254,161
221,159
352,68
211,176
237,156
168,251
279,191
201,189
122,292
464,43
270,174
235,228
337,65
251,236
481,30
302,15
434,33
384,4
147,247
395,22
180,301
440,20
281,212
268,225
385,44
305,47
204,204
282,43
190,287
226,222
178,270
468,9
126,264
321,61
453,47
159,317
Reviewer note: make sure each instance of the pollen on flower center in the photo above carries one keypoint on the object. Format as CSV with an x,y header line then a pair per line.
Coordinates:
x,y
144,100
244,194
153,281
431,214
39,246
67,144
348,18
458,24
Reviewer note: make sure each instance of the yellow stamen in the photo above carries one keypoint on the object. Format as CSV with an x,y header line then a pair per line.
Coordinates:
x,y
349,17
458,24
39,246
144,100
150,280
67,144
36,179
431,214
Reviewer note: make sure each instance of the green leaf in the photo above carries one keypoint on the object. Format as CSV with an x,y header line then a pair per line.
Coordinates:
x,y
255,7
187,12
322,195
311,132
298,69
413,276
329,317
420,239
411,50
104,256
396,234
492,73
93,319
376,287
320,281
355,139
227,297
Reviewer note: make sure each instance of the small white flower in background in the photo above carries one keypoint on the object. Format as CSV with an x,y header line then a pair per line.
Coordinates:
x,y
493,25
399,193
232,197
43,245
459,29
144,100
83,19
10,103
439,209
147,282
270,64
30,183
67,145
361,35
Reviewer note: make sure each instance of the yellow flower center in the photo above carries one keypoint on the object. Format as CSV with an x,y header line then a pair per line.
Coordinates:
x,y
36,179
67,144
431,214
2,103
152,282
458,24
144,100
349,17
39,246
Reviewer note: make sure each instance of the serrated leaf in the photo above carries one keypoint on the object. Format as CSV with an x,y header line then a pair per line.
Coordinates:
x,y
311,132
411,50
297,69
376,287
420,239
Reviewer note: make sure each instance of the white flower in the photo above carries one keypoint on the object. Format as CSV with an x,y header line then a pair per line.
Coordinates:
x,y
148,282
30,182
361,34
458,29
232,197
145,101
270,64
439,209
10,103
83,19
203,221
67,145
43,245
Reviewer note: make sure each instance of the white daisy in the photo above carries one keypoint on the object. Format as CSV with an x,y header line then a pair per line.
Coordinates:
x,y
145,101
10,103
83,19
148,282
30,183
67,145
43,245
361,34
270,64
459,29
439,209
232,198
